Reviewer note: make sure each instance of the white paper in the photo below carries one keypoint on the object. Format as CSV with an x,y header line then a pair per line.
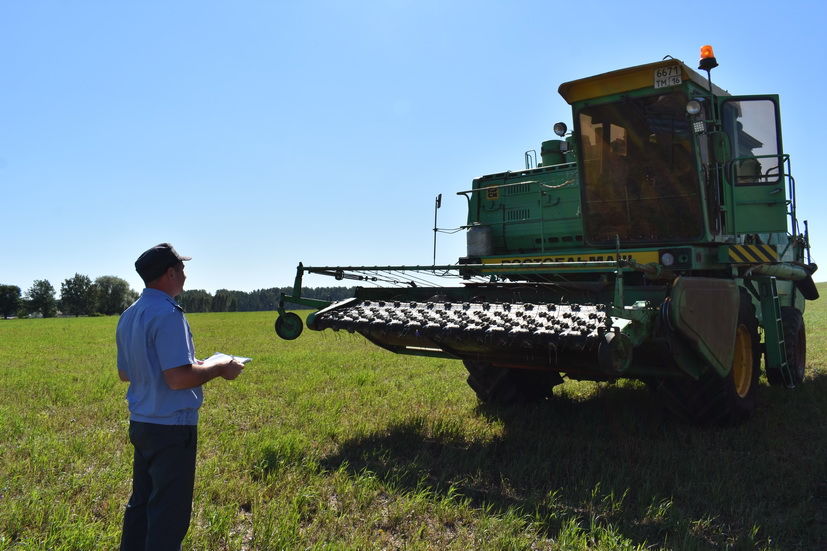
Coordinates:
x,y
220,357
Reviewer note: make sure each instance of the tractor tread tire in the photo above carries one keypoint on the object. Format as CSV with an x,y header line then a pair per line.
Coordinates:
x,y
712,400
795,341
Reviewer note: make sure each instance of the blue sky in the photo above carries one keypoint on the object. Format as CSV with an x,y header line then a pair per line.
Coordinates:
x,y
253,135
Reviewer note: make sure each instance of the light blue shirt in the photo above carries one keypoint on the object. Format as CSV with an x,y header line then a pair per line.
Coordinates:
x,y
153,335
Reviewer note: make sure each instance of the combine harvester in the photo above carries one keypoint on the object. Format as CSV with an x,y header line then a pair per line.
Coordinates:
x,y
652,242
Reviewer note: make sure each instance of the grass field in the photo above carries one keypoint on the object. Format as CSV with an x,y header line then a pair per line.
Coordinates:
x,y
330,443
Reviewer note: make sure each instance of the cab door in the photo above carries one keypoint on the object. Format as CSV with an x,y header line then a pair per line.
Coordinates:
x,y
756,168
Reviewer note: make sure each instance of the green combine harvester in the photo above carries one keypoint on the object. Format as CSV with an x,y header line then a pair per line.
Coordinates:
x,y
656,241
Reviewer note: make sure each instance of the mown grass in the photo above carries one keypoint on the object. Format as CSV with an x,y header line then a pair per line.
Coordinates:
x,y
330,443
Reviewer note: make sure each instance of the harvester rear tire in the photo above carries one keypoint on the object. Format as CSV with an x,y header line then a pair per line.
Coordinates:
x,y
509,386
795,341
716,400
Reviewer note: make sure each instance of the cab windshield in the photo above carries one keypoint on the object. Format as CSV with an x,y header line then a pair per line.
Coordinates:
x,y
640,179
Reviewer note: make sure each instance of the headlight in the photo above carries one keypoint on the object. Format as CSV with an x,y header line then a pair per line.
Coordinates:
x,y
560,129
693,107
676,258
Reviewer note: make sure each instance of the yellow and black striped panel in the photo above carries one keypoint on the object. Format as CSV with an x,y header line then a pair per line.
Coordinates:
x,y
752,254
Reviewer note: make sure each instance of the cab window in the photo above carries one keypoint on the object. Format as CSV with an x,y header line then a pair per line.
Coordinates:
x,y
751,128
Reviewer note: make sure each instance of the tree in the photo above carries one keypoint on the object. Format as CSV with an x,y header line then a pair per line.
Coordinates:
x,y
197,300
9,300
41,297
263,299
77,295
224,301
114,295
25,308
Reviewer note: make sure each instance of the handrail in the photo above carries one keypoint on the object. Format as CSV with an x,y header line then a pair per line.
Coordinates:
x,y
530,159
498,186
783,159
788,173
731,174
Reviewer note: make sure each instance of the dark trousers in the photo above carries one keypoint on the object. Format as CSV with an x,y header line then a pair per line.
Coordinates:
x,y
158,514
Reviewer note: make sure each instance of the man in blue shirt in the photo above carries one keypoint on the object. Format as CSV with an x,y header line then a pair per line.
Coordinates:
x,y
157,357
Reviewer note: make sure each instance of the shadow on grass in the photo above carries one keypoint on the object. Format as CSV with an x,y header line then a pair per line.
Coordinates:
x,y
616,458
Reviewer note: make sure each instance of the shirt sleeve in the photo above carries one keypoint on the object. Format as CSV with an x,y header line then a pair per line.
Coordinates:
x,y
173,341
119,344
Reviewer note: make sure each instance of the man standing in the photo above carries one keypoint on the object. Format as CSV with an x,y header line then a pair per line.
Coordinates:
x,y
157,357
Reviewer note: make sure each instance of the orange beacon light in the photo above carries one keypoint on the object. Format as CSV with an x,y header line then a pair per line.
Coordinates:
x,y
707,61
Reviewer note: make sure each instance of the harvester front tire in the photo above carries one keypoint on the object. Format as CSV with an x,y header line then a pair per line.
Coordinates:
x,y
509,386
716,400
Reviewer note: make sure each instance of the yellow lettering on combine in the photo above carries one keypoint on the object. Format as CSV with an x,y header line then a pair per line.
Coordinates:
x,y
642,257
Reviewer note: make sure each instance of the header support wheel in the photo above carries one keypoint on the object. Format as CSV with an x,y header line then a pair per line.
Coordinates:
x,y
289,326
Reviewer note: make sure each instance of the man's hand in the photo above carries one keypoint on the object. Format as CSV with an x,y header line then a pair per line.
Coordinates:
x,y
232,369
188,376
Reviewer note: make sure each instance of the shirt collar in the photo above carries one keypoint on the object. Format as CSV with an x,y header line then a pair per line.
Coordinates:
x,y
160,295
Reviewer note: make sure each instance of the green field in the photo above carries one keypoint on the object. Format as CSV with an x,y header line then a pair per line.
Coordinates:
x,y
328,442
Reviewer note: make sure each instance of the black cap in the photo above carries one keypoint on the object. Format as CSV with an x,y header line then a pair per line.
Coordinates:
x,y
154,262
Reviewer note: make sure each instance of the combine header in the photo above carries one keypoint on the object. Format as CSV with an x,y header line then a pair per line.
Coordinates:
x,y
651,242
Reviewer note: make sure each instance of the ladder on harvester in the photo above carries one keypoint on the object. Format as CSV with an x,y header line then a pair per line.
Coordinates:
x,y
776,349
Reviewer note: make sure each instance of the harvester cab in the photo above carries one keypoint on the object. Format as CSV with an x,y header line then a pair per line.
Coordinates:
x,y
650,242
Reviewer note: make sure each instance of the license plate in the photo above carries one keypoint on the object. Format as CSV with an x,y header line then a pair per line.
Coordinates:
x,y
670,75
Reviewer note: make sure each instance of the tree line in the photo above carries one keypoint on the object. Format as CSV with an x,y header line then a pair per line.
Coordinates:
x,y
225,300
108,295
79,296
